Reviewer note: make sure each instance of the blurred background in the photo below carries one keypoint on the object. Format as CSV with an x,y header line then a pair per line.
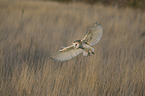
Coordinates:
x,y
33,31
120,3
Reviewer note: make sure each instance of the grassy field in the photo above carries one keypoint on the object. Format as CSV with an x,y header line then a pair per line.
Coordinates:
x,y
31,32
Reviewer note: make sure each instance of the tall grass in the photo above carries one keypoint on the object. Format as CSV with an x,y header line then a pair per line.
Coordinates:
x,y
31,32
120,3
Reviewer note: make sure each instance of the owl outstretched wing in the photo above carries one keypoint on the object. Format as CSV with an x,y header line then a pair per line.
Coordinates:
x,y
94,34
67,53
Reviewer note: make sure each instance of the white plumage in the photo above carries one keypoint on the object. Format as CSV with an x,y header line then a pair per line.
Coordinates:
x,y
92,37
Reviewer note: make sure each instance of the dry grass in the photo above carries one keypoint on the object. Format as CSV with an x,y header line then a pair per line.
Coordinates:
x,y
30,32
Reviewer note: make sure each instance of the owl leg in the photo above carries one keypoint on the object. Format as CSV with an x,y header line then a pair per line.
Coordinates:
x,y
89,53
93,52
86,52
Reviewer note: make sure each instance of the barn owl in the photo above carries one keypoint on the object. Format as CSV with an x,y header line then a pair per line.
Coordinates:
x,y
92,37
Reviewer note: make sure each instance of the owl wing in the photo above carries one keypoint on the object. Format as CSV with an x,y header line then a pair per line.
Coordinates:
x,y
93,34
67,53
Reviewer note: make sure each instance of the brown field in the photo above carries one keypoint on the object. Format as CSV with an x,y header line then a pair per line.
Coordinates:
x,y
31,32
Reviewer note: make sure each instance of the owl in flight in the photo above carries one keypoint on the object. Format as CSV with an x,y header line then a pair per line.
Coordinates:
x,y
92,37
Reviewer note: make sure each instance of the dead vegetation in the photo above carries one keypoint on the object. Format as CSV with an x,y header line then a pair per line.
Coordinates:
x,y
30,32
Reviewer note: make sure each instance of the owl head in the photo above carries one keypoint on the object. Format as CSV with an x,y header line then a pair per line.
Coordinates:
x,y
77,43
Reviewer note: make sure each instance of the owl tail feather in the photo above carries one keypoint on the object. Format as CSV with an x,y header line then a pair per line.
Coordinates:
x,y
85,53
